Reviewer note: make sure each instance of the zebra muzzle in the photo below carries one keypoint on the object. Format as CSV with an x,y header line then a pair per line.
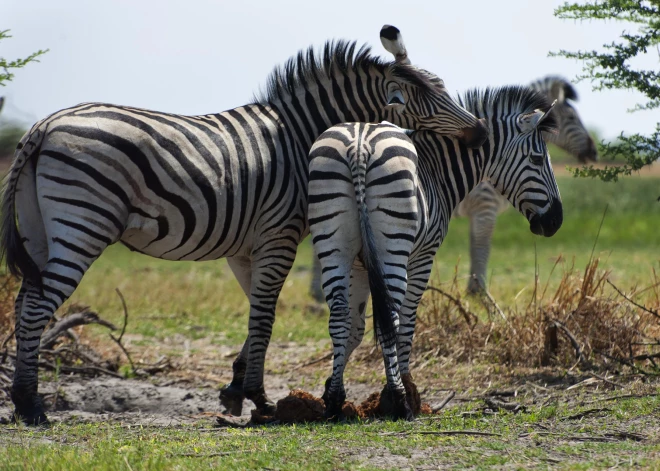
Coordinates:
x,y
548,223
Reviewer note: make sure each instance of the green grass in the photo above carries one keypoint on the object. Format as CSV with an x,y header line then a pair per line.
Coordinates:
x,y
521,441
194,299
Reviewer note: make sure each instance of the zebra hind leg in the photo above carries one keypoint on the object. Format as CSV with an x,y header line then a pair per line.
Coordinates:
x,y
60,277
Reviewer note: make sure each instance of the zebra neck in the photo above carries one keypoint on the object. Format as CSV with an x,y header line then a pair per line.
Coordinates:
x,y
448,170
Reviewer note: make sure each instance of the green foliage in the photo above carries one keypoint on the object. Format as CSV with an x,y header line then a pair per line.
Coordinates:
x,y
6,65
10,135
612,69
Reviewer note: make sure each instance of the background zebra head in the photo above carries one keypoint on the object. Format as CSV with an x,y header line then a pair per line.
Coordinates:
x,y
519,164
435,111
572,136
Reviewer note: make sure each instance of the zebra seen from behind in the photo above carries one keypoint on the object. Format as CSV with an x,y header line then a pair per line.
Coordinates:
x,y
232,184
484,203
363,175
408,215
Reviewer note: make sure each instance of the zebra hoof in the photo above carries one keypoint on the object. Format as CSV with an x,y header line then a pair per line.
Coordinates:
x,y
395,405
333,404
264,405
29,411
475,288
231,398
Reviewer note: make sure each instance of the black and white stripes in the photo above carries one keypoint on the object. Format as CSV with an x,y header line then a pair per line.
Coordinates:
x,y
231,184
514,159
363,205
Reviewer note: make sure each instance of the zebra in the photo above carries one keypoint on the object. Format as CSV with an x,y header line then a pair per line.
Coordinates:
x,y
484,203
228,185
375,166
365,195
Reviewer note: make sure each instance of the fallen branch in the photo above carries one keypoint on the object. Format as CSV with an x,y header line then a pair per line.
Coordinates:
x,y
444,402
442,432
123,330
622,396
640,306
74,320
586,413
458,303
576,345
314,362
604,379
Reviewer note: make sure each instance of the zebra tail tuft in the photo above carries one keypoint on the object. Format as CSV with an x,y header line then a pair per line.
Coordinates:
x,y
12,250
384,307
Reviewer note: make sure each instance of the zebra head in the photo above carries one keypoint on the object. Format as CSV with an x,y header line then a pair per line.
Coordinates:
x,y
427,107
571,134
520,165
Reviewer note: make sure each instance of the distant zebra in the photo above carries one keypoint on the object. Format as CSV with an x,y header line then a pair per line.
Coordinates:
x,y
403,217
232,185
484,203
375,166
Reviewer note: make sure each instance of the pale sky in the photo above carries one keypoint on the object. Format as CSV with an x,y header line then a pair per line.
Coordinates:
x,y
196,57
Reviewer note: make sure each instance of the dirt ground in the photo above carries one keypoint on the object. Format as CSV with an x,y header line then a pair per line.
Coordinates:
x,y
188,392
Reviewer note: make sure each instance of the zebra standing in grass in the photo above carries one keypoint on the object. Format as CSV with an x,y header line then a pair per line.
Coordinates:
x,y
232,185
404,217
484,203
375,166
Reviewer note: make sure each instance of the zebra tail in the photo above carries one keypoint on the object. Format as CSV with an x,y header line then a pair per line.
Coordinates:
x,y
384,307
19,263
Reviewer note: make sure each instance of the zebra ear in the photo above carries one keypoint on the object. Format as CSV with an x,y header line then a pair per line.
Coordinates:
x,y
395,99
530,121
392,41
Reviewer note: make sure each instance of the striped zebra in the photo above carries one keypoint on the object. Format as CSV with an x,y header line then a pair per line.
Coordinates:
x,y
365,195
375,166
232,184
484,203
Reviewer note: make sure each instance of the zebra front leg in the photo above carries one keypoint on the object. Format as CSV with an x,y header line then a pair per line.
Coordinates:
x,y
268,276
482,225
232,395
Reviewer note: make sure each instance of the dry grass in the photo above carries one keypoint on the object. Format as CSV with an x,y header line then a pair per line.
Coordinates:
x,y
8,289
585,321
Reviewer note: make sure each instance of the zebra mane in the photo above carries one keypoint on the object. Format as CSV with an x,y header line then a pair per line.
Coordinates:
x,y
337,58
510,99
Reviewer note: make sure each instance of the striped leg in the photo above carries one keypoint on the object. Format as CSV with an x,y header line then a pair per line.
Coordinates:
x,y
232,395
315,289
419,273
482,225
358,297
269,271
60,276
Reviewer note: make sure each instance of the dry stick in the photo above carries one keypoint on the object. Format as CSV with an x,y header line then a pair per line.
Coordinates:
x,y
443,432
578,350
622,396
314,362
74,320
642,307
457,302
123,329
587,412
444,402
603,378
493,304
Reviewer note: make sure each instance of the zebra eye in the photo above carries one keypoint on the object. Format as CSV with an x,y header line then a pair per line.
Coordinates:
x,y
537,159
